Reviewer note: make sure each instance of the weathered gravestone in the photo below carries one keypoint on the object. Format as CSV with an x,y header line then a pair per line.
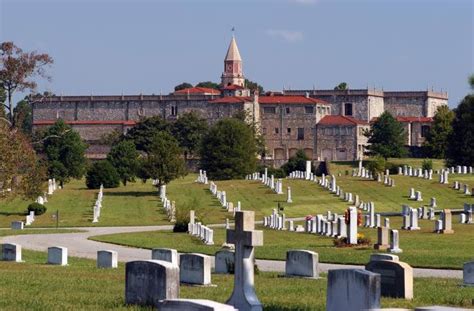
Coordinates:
x,y
382,238
149,281
302,263
245,239
352,289
11,252
225,261
396,278
165,254
195,269
375,257
193,305
107,259
468,273
17,225
57,255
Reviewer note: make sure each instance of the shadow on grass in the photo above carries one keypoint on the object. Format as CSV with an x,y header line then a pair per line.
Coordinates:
x,y
132,193
273,307
13,213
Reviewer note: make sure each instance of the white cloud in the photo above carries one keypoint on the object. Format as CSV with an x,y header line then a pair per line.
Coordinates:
x,y
286,35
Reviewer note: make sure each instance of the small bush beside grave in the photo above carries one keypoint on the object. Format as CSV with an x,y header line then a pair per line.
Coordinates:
x,y
39,209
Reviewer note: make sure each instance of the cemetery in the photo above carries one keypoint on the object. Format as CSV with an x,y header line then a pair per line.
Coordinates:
x,y
289,235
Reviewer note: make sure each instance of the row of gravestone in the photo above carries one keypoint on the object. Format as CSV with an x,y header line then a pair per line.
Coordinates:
x,y
270,182
465,188
222,197
168,205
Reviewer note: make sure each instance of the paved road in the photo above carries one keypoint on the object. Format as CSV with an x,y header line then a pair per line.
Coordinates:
x,y
79,246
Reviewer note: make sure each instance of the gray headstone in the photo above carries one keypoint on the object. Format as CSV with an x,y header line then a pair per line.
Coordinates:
x,y
468,273
107,259
165,254
11,252
302,263
149,281
17,225
195,269
57,255
193,305
225,261
352,289
375,257
396,278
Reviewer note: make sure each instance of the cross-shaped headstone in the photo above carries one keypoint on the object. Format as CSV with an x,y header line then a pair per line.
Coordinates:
x,y
245,239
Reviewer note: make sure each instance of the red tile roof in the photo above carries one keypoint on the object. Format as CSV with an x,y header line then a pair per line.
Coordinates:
x,y
198,90
231,100
87,122
289,100
340,120
233,87
414,119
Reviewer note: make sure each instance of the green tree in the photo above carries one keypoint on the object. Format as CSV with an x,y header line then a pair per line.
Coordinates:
x,y
163,160
341,86
125,158
386,137
18,70
102,173
460,149
437,139
209,84
182,86
142,133
24,117
229,150
254,86
3,97
296,163
64,150
189,130
471,81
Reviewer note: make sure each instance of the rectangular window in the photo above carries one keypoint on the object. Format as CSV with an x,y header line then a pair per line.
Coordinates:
x,y
287,110
269,110
309,109
288,130
300,133
264,130
336,131
348,109
425,129
277,130
174,110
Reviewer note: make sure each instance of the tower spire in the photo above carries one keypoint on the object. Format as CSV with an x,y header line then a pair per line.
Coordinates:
x,y
233,65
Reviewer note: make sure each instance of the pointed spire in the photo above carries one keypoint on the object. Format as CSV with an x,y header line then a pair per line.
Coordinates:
x,y
233,51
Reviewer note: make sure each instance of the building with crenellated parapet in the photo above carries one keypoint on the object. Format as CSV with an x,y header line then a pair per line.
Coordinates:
x,y
326,124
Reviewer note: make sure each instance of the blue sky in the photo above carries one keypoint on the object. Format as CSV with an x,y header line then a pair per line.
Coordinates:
x,y
131,47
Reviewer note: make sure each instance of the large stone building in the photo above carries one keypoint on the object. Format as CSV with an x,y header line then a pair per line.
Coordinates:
x,y
326,124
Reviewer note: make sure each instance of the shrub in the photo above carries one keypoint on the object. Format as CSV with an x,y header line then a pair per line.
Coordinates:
x,y
392,167
427,164
277,172
39,209
102,173
181,225
377,165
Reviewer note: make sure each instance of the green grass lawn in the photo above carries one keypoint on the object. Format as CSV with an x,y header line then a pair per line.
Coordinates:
x,y
9,232
33,285
138,203
420,248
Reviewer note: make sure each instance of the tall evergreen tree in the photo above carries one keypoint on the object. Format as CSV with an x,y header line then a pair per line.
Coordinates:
x,y
189,130
125,158
64,150
386,137
24,117
163,160
437,139
229,150
460,149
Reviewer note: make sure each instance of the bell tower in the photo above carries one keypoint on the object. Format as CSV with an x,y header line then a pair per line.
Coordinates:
x,y
232,74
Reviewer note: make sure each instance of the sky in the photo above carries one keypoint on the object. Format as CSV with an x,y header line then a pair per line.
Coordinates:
x,y
106,47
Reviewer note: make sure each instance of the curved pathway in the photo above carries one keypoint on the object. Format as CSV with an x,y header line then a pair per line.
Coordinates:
x,y
79,246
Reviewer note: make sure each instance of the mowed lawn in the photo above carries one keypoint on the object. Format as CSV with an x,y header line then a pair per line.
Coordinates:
x,y
135,204
33,285
421,248
138,203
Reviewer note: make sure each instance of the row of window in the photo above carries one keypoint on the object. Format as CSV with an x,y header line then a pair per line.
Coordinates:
x,y
307,110
299,132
